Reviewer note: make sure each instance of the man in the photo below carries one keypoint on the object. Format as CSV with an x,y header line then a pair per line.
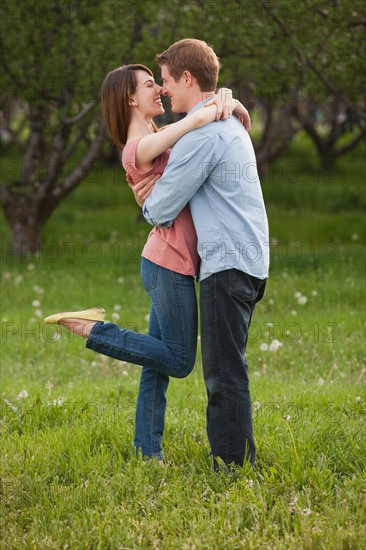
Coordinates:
x,y
214,169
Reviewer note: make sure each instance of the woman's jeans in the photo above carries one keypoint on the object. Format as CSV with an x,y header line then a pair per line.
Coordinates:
x,y
227,301
169,349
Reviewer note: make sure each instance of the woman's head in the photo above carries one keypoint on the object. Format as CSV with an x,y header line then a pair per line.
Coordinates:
x,y
128,88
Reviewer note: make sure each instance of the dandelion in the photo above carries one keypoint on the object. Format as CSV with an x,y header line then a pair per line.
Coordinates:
x,y
264,347
269,324
284,274
18,279
320,382
302,300
124,373
306,512
275,242
31,267
10,404
6,276
314,293
36,303
354,237
38,313
56,337
117,307
294,312
286,417
271,302
297,295
23,394
275,345
358,398
58,402
38,290
115,316
147,318
120,280
256,374
292,504
256,405
250,483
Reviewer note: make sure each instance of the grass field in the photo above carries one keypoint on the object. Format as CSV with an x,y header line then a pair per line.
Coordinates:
x,y
70,477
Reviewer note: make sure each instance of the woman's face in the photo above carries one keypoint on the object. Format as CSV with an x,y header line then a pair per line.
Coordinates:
x,y
147,95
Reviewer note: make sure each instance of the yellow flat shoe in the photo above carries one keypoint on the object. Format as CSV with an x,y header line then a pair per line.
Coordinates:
x,y
93,314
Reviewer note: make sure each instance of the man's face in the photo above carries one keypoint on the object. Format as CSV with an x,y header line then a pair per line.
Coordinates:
x,y
177,91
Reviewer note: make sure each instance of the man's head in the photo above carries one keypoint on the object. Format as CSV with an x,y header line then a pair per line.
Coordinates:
x,y
190,70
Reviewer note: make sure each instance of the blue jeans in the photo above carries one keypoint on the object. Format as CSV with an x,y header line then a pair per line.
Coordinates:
x,y
227,301
169,349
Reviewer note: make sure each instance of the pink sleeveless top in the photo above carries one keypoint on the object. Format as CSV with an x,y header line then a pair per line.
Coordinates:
x,y
174,247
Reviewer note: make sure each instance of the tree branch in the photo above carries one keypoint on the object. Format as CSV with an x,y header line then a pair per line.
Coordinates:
x,y
338,93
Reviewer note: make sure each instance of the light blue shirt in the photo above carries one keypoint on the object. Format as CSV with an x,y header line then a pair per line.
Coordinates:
x,y
214,169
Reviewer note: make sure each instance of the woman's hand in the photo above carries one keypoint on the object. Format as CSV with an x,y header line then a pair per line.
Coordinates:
x,y
226,104
142,189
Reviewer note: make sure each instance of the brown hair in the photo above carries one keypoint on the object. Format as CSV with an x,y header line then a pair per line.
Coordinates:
x,y
118,87
195,56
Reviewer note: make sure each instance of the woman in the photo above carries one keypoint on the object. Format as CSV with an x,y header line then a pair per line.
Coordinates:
x,y
130,101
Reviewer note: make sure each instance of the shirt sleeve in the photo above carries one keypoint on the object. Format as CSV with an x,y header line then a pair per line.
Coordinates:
x,y
191,161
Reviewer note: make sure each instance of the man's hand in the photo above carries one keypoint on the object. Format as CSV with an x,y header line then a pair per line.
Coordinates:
x,y
143,189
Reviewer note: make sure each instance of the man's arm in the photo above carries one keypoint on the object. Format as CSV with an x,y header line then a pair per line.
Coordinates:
x,y
190,162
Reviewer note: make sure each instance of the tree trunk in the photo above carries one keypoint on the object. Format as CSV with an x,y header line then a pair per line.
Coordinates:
x,y
28,203
25,226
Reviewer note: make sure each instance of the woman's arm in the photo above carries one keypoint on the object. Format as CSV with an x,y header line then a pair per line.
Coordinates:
x,y
153,145
226,104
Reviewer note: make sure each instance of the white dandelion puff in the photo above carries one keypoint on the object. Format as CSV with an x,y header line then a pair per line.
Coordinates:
x,y
275,345
23,394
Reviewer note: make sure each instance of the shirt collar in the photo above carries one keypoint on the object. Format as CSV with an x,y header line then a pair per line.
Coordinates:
x,y
200,104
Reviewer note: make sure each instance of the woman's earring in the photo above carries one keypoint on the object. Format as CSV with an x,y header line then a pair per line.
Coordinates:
x,y
135,101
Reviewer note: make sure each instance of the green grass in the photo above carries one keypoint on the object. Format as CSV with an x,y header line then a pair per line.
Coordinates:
x,y
70,477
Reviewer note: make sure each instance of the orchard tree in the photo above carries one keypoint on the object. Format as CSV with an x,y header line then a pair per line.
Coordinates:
x,y
54,57
283,58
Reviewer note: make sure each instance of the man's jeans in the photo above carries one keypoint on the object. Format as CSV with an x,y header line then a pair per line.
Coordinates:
x,y
227,301
168,350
